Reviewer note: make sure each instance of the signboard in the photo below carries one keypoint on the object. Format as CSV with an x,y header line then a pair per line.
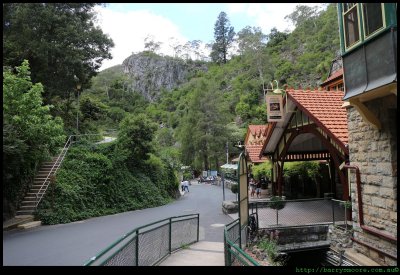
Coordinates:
x,y
243,198
274,107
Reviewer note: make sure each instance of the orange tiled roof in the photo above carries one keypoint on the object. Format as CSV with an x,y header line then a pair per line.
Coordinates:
x,y
337,74
254,150
326,108
254,153
257,129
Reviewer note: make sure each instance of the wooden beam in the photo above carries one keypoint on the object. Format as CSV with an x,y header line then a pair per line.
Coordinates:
x,y
365,113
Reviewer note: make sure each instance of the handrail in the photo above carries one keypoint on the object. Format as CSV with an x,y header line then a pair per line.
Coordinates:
x,y
59,160
145,229
229,244
44,186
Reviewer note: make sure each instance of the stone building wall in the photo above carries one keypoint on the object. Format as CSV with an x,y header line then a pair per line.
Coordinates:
x,y
375,153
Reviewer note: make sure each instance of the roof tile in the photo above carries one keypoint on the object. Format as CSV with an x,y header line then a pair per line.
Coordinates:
x,y
325,106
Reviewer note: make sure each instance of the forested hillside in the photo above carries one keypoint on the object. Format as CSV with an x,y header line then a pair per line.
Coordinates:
x,y
172,112
215,106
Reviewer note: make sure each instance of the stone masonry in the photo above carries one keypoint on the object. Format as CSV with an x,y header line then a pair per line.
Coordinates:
x,y
375,153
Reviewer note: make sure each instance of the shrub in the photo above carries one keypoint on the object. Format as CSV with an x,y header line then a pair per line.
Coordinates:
x,y
235,188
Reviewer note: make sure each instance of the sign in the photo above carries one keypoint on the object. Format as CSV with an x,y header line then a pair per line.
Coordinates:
x,y
243,198
274,107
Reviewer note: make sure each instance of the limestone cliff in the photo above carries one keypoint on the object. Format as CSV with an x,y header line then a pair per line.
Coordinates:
x,y
151,73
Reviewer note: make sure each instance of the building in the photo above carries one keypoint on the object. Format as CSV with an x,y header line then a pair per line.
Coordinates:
x,y
368,36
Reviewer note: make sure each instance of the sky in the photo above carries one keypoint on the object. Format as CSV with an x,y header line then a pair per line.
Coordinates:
x,y
128,24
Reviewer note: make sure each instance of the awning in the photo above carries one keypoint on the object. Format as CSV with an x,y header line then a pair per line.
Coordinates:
x,y
229,166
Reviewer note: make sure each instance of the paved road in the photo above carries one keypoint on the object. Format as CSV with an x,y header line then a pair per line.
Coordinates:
x,y
74,243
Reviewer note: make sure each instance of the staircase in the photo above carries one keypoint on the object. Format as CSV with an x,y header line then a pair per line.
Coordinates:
x,y
41,182
39,187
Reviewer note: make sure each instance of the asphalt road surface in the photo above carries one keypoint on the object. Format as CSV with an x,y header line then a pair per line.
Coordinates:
x,y
74,243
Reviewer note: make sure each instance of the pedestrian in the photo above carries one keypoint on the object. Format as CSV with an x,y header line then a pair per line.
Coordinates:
x,y
258,190
183,186
252,187
186,185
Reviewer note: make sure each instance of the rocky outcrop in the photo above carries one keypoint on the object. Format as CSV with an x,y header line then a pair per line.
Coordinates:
x,y
151,73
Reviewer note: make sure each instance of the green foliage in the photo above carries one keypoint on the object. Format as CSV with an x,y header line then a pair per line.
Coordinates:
x,y
235,188
92,182
270,247
30,133
276,203
91,108
60,40
346,204
135,138
262,170
302,57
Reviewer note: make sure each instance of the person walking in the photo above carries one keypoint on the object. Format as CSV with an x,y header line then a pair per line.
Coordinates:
x,y
186,185
258,189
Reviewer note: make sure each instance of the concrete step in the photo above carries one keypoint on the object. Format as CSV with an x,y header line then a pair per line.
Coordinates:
x,y
359,258
37,182
30,225
28,203
17,220
25,212
45,172
29,198
27,207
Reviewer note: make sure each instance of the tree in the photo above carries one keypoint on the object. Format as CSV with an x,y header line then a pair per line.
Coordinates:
x,y
60,40
151,45
30,133
302,13
135,138
250,40
202,131
223,34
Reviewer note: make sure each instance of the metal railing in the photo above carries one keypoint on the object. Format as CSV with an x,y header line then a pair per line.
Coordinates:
x,y
298,212
234,255
53,171
149,244
43,188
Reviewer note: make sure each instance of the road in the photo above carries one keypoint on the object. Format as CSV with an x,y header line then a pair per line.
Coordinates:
x,y
74,243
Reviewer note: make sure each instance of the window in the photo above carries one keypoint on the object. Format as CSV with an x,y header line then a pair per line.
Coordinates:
x,y
351,26
373,19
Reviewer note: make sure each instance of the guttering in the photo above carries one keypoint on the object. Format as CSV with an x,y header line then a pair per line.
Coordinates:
x,y
367,228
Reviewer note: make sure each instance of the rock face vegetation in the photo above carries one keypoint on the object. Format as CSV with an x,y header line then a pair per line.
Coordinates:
x,y
167,112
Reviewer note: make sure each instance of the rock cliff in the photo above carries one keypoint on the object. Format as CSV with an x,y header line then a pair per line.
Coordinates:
x,y
151,73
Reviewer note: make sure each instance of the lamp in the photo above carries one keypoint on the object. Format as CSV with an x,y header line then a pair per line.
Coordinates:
x,y
277,90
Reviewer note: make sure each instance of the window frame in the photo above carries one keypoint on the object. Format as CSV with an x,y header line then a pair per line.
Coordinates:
x,y
372,34
360,35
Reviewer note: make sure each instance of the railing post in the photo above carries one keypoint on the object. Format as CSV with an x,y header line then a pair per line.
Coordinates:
x,y
137,247
170,235
198,226
258,225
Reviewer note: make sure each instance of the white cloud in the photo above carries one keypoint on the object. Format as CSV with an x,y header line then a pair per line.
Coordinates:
x,y
129,29
268,16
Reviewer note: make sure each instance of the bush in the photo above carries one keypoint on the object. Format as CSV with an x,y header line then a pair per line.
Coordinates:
x,y
276,203
93,181
235,188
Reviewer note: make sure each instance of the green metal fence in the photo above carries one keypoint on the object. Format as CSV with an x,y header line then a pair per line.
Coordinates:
x,y
149,244
234,255
298,212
